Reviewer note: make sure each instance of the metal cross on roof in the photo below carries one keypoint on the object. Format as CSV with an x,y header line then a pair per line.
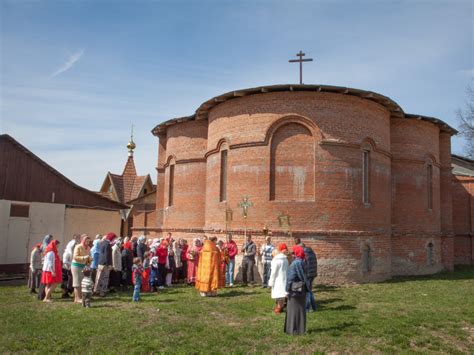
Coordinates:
x,y
301,60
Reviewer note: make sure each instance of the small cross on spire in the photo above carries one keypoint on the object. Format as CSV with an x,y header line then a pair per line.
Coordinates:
x,y
301,60
131,144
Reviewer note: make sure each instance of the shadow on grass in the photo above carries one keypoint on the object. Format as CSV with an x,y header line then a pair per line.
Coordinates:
x,y
235,294
339,327
104,305
324,305
166,300
460,273
325,288
171,290
329,300
338,308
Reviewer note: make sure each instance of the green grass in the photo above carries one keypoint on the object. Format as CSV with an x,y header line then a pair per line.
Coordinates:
x,y
429,314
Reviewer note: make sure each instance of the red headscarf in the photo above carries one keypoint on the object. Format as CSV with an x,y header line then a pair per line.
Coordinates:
x,y
299,251
110,236
282,246
127,245
52,246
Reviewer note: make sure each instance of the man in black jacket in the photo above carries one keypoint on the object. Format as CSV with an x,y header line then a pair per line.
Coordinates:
x,y
249,249
311,273
105,264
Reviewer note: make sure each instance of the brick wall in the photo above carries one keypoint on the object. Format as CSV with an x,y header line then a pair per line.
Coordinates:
x,y
301,154
185,149
410,254
249,124
463,219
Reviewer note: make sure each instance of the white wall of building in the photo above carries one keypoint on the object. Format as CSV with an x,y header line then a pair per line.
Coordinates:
x,y
18,235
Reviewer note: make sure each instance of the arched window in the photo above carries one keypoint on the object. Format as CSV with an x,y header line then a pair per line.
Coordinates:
x,y
292,163
223,178
171,185
366,167
366,259
430,254
429,185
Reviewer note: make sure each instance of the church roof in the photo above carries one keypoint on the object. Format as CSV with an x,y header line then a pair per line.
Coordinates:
x,y
127,186
395,110
137,187
130,169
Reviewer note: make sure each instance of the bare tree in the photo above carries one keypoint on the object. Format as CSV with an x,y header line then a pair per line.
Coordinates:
x,y
466,120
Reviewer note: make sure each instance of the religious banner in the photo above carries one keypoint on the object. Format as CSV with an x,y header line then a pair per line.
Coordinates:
x,y
284,221
228,215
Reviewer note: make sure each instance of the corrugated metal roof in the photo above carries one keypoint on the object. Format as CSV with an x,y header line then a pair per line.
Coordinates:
x,y
26,177
462,166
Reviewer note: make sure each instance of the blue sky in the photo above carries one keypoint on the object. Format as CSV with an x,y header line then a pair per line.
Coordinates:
x,y
76,74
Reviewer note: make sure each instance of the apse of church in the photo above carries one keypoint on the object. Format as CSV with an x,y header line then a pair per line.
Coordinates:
x,y
358,179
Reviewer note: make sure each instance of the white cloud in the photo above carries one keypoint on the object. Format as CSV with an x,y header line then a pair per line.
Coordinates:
x,y
73,59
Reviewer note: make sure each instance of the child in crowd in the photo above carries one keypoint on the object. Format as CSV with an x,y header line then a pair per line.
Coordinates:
x,y
146,272
87,286
137,270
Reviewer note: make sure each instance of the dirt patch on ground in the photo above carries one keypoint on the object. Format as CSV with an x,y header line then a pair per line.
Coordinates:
x,y
469,329
463,343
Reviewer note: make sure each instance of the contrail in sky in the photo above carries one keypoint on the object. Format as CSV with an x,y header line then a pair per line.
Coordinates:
x,y
73,59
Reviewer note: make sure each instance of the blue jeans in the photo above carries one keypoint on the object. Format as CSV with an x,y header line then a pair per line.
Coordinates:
x,y
267,269
229,272
136,290
310,301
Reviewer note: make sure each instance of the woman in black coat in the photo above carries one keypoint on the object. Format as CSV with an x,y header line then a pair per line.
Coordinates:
x,y
127,264
296,286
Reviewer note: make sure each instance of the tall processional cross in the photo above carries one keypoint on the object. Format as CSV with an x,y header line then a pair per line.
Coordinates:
x,y
245,204
301,60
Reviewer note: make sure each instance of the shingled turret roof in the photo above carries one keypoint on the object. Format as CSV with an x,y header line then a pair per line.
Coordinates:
x,y
127,186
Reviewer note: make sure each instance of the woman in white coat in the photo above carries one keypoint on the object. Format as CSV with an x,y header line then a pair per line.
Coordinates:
x,y
278,274
116,273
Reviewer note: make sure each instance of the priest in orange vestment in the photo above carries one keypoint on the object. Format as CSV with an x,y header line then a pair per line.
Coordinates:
x,y
207,277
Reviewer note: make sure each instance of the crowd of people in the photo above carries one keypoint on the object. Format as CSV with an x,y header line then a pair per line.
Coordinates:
x,y
109,263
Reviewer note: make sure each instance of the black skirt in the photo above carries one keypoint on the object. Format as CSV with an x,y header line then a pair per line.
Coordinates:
x,y
295,320
115,278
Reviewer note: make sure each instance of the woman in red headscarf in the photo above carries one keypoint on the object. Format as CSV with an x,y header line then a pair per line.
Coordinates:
x,y
296,286
52,272
127,264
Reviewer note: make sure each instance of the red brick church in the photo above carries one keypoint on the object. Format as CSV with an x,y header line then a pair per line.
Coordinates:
x,y
367,185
